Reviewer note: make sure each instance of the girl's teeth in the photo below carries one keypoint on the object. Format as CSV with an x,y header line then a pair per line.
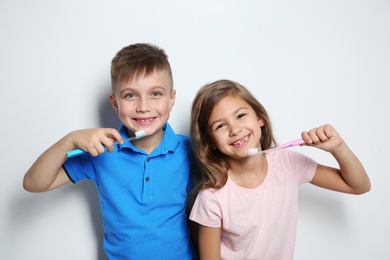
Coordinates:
x,y
240,141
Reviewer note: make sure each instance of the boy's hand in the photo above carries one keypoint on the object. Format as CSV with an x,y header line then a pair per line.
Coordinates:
x,y
94,140
324,137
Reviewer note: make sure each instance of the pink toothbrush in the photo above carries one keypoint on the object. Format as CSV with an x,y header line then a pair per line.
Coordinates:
x,y
255,151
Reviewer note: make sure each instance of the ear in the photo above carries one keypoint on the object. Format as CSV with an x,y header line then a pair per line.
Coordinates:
x,y
114,102
172,99
261,122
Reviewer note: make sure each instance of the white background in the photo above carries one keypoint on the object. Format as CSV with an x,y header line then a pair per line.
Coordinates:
x,y
309,63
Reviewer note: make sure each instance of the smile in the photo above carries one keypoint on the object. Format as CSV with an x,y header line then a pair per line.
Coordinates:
x,y
145,119
241,142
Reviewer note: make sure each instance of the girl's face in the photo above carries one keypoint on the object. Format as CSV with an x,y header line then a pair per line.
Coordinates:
x,y
234,127
144,103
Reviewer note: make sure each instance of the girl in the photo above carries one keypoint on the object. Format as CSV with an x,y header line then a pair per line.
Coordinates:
x,y
247,205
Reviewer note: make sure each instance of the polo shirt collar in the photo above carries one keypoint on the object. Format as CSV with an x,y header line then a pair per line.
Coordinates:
x,y
169,142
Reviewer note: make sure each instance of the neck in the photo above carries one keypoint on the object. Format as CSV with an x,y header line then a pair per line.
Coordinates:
x,y
150,142
249,172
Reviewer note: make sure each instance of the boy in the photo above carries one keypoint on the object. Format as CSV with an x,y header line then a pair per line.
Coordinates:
x,y
142,184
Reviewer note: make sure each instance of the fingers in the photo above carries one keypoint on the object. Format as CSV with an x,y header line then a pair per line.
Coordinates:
x,y
318,134
324,137
110,138
96,141
105,140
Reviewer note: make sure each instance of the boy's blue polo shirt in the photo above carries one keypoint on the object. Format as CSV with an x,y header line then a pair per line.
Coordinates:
x,y
142,197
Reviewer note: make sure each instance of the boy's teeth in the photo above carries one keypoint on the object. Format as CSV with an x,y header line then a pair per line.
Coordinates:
x,y
144,120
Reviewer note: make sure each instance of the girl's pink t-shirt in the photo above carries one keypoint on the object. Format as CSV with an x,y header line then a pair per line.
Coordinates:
x,y
258,223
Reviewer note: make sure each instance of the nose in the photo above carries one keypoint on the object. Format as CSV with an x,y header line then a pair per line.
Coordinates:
x,y
234,131
143,105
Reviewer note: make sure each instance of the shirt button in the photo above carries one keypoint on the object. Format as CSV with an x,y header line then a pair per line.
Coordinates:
x,y
147,179
148,160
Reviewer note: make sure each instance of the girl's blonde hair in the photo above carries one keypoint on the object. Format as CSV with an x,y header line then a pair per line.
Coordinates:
x,y
211,165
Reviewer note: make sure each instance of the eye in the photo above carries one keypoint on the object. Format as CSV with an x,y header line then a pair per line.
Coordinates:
x,y
241,115
129,95
219,126
156,93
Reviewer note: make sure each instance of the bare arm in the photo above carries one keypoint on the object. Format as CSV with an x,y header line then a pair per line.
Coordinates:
x,y
47,173
351,177
209,243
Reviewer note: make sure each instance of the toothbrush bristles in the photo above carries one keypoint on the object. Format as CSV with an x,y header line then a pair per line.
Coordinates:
x,y
140,134
253,151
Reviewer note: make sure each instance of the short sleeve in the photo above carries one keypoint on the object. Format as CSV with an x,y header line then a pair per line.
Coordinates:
x,y
79,168
304,166
206,210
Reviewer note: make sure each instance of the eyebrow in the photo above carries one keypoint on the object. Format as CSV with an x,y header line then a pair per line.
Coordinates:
x,y
234,112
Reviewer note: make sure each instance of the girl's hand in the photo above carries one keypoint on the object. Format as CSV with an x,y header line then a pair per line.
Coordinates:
x,y
351,176
324,137
94,140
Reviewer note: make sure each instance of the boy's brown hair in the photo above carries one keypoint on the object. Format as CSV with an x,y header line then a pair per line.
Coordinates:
x,y
139,59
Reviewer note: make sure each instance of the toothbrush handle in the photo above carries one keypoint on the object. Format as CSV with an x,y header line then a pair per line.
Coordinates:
x,y
75,152
293,143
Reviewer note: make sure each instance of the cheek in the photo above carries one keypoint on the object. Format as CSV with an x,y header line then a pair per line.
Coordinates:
x,y
163,108
124,109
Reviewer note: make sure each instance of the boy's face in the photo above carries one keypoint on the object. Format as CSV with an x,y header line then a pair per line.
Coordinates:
x,y
144,103
234,127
